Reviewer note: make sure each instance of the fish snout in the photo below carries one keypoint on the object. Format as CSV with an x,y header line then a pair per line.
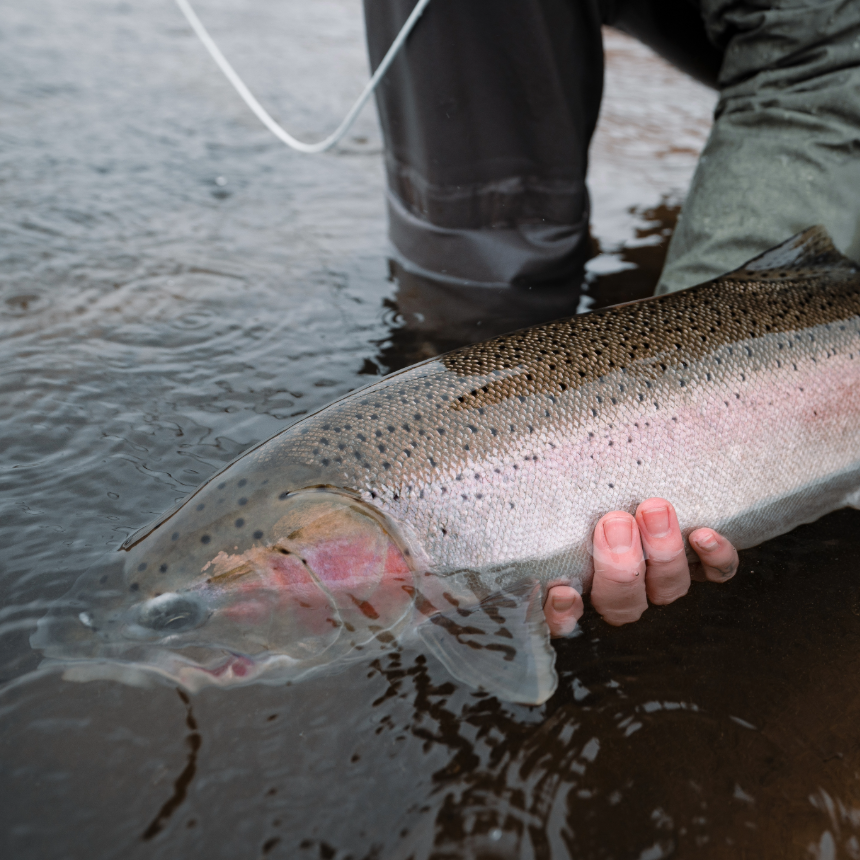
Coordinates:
x,y
166,615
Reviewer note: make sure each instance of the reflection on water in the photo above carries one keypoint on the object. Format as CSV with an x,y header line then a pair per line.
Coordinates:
x,y
426,318
176,287
180,787
632,271
723,721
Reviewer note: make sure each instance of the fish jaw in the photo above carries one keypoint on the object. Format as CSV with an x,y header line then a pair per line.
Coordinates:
x,y
332,578
147,668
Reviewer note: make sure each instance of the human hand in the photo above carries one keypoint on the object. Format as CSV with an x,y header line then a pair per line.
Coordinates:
x,y
637,559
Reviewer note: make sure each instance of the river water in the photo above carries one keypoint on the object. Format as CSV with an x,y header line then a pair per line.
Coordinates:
x,y
177,286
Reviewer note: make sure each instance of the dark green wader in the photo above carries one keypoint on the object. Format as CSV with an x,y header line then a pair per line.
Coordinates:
x,y
784,151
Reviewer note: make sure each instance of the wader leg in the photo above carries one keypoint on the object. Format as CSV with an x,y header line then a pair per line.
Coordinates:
x,y
487,114
784,152
673,29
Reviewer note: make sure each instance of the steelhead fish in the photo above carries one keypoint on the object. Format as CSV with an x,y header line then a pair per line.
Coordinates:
x,y
438,504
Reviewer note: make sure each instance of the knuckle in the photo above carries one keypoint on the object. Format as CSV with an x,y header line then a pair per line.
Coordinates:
x,y
620,617
665,596
624,577
666,556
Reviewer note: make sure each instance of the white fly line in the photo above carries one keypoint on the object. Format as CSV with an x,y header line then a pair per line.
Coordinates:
x,y
261,113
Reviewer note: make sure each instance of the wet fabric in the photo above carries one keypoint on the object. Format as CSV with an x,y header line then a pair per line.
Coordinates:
x,y
671,28
487,116
784,152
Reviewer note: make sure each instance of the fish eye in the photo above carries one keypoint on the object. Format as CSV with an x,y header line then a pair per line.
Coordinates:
x,y
171,613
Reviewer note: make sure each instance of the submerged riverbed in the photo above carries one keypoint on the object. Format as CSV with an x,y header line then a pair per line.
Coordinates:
x,y
175,286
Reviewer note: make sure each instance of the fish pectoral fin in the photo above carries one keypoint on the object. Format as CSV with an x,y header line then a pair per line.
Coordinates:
x,y
500,646
811,249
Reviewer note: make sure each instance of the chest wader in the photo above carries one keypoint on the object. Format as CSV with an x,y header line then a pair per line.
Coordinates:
x,y
488,113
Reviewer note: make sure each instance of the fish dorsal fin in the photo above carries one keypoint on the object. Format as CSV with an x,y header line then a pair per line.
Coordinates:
x,y
500,646
811,249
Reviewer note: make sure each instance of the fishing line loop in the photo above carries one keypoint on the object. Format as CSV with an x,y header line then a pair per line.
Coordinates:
x,y
260,112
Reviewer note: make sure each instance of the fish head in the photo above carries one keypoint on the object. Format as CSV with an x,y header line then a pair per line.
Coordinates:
x,y
325,575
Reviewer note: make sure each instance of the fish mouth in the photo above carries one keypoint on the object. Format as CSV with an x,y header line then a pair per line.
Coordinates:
x,y
148,668
332,580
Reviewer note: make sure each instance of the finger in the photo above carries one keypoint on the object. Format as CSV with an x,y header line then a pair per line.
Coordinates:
x,y
667,574
563,608
718,557
618,589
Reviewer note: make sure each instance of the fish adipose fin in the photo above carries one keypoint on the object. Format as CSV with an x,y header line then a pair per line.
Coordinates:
x,y
811,249
500,646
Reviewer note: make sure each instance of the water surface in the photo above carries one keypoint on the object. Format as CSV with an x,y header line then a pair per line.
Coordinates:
x,y
176,286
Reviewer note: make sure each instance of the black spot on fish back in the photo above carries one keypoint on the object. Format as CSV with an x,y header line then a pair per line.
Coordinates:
x,y
693,323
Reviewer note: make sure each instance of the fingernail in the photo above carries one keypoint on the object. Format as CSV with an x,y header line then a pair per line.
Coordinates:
x,y
562,604
707,541
619,534
656,521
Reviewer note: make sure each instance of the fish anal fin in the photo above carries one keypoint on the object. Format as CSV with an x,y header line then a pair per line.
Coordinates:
x,y
811,249
501,645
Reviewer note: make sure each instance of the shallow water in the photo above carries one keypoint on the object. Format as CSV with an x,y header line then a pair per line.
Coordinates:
x,y
177,286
